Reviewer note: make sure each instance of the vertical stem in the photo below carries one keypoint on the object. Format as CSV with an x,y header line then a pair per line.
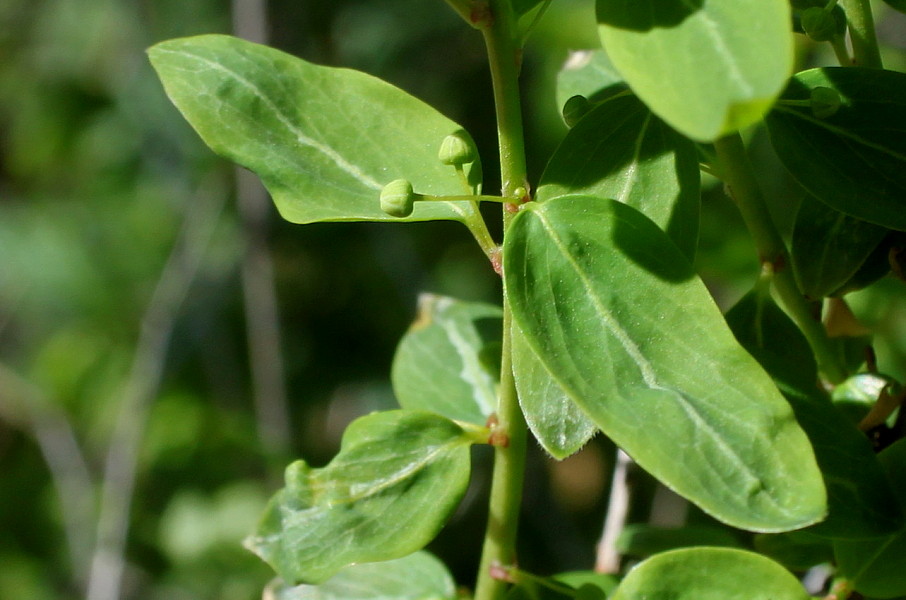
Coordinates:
x,y
862,33
500,37
735,170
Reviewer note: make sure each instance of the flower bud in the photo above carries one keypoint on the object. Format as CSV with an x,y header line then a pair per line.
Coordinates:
x,y
456,150
825,102
397,198
819,24
574,109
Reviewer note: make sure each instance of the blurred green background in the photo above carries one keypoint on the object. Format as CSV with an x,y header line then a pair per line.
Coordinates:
x,y
168,345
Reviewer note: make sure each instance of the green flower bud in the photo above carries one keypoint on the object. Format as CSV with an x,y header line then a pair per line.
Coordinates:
x,y
825,102
819,24
397,198
456,150
574,109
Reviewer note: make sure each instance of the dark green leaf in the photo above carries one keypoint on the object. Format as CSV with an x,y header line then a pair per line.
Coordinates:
x,y
619,318
324,141
418,576
710,574
398,477
860,502
829,247
706,68
554,419
854,160
449,360
877,567
620,150
796,550
642,540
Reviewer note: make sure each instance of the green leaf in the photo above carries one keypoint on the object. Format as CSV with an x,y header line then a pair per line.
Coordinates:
x,y
323,140
710,574
860,502
706,68
620,150
398,477
587,73
643,540
555,420
449,360
619,318
419,576
876,567
796,550
829,247
854,160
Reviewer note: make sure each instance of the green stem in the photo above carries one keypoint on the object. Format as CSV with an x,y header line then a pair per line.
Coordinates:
x,y
500,37
862,33
737,173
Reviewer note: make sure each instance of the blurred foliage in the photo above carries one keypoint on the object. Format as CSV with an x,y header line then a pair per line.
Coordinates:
x,y
98,173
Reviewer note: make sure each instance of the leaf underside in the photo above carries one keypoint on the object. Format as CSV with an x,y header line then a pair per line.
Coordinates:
x,y
398,477
323,140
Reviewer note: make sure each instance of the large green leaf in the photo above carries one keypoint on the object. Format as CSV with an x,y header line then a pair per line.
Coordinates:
x,y
398,477
707,67
860,501
829,247
555,420
620,150
619,318
418,576
855,159
449,360
323,140
710,574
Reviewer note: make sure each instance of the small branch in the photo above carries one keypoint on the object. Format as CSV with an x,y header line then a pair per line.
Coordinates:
x,y
862,33
26,406
608,558
108,562
735,170
262,322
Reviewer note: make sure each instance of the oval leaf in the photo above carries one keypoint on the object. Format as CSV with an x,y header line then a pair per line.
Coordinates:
x,y
620,319
620,150
708,68
855,159
710,574
829,247
323,140
555,420
419,576
398,477
449,360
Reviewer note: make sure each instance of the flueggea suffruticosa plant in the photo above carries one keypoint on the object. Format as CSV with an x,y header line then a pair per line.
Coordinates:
x,y
766,418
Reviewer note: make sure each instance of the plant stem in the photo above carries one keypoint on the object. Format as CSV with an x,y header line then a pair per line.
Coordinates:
x,y
862,33
735,170
509,459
